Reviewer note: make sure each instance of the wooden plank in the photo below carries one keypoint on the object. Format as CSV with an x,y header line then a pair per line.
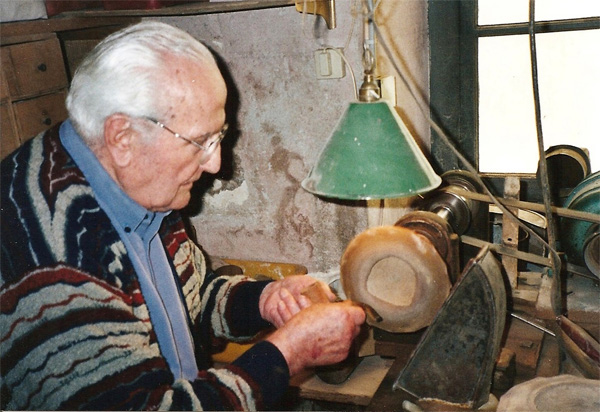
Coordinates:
x,y
358,389
525,295
527,291
193,8
386,398
526,342
81,19
549,363
58,24
510,232
530,278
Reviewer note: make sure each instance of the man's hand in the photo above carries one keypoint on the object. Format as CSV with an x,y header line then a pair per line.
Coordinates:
x,y
321,334
282,299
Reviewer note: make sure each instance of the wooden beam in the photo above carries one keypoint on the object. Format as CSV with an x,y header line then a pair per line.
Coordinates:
x,y
83,19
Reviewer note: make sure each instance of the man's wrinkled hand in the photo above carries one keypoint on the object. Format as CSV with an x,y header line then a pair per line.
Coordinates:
x,y
320,335
283,299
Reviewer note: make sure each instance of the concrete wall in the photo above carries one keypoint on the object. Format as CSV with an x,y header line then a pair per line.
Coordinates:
x,y
281,116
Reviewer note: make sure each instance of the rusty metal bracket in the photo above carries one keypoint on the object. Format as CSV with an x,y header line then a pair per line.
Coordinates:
x,y
323,8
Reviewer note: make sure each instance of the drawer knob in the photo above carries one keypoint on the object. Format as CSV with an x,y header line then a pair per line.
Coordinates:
x,y
42,67
47,121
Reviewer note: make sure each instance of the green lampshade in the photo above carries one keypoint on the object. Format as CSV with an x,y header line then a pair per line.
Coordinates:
x,y
371,155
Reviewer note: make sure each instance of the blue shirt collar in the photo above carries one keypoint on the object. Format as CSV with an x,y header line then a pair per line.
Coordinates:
x,y
121,209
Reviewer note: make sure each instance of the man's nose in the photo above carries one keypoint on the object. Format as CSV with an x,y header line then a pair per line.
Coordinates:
x,y
213,164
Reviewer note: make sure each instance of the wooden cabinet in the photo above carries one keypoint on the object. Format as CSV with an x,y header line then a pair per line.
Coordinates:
x,y
34,87
37,114
8,130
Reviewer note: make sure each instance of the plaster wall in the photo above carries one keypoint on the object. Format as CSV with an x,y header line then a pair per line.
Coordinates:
x,y
280,116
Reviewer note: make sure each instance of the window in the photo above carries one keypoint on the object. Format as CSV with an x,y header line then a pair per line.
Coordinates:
x,y
481,87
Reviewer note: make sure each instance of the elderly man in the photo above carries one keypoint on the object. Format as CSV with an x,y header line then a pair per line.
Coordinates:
x,y
106,303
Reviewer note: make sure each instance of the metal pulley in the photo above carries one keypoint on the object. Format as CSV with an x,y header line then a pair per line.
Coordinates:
x,y
580,239
449,204
405,271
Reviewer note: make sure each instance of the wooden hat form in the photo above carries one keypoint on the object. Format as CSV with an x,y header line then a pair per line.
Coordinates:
x,y
557,393
399,273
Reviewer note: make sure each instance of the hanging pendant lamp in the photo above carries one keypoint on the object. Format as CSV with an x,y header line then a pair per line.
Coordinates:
x,y
370,155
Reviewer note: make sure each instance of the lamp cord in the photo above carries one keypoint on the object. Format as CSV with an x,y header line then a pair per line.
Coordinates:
x,y
343,56
341,53
421,101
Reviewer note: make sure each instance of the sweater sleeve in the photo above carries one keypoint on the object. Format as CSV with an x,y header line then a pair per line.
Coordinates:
x,y
71,341
255,381
230,309
243,312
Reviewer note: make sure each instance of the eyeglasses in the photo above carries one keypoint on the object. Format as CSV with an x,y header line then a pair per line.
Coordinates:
x,y
210,141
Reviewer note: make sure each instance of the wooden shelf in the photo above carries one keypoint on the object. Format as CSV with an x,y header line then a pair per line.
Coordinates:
x,y
84,19
11,32
190,9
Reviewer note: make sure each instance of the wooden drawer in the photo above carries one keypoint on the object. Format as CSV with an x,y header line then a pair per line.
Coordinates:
x,y
36,115
9,139
3,87
33,68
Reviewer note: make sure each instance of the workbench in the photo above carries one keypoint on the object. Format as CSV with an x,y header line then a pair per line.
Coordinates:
x,y
358,389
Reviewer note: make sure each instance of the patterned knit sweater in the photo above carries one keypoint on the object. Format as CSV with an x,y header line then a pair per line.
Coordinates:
x,y
75,331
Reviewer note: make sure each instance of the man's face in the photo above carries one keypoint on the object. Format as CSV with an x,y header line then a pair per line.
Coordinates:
x,y
164,169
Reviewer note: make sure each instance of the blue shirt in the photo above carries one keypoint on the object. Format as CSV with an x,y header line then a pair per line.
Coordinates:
x,y
138,229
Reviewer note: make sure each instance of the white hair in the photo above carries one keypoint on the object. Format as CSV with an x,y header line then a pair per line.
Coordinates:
x,y
125,74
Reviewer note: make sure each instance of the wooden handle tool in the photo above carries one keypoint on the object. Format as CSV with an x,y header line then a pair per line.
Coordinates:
x,y
317,295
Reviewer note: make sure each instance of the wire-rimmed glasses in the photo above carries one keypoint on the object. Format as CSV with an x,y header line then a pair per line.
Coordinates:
x,y
210,141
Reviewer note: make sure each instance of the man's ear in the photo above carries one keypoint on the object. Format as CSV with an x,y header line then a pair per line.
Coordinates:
x,y
118,138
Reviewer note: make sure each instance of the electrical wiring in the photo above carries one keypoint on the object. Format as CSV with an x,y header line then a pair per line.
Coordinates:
x,y
447,141
343,56
341,52
551,229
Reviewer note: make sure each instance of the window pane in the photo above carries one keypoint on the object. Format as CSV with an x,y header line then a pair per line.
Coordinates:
x,y
569,82
499,12
517,11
